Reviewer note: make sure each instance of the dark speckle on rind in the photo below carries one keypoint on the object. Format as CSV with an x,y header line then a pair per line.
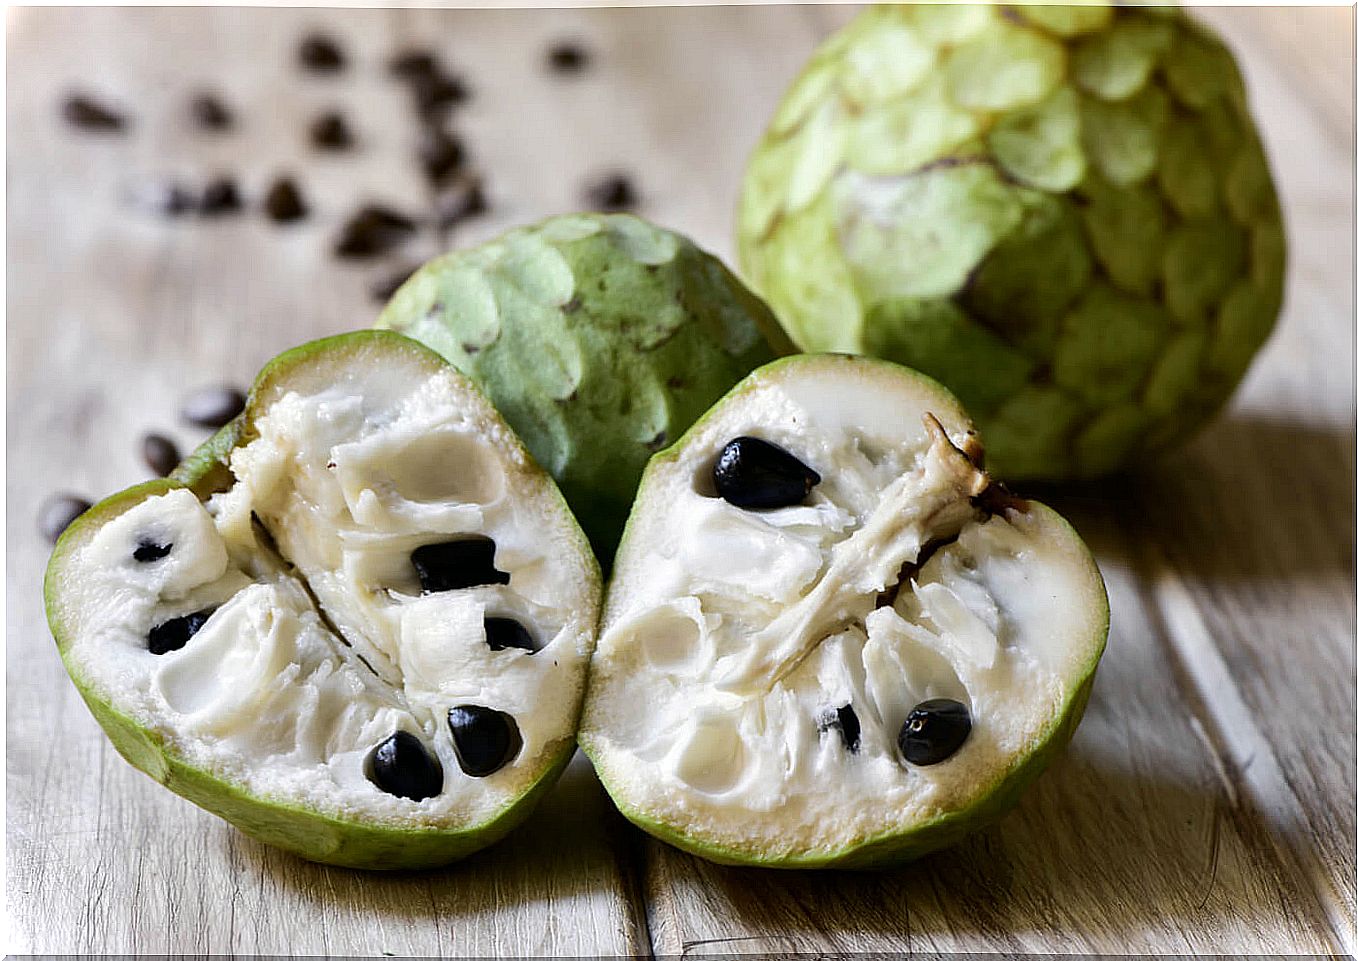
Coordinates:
x,y
675,382
572,305
657,442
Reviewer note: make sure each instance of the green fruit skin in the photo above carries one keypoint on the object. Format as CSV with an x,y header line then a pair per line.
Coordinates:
x,y
892,849
310,834
1065,214
599,338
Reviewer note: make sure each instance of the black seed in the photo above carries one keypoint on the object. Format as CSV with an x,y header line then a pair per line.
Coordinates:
x,y
385,287
220,196
329,131
212,406
484,739
411,63
441,154
402,766
164,197
160,454
934,730
610,192
753,473
57,512
209,112
453,565
567,56
283,201
461,201
87,113
320,53
435,93
148,551
371,231
175,633
845,720
502,632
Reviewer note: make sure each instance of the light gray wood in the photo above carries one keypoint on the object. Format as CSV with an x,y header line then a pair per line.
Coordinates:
x,y
1207,801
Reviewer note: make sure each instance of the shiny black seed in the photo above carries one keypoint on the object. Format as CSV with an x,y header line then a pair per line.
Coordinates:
x,y
611,192
567,56
385,286
148,551
411,63
330,131
209,112
87,113
453,565
371,231
845,720
220,196
160,454
441,154
484,739
934,730
464,199
175,633
283,201
212,406
502,632
402,766
320,53
753,473
57,512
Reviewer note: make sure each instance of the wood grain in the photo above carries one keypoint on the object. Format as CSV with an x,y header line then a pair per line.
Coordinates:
x,y
1206,804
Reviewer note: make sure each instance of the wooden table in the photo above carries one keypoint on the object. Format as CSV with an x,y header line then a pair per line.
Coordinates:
x,y
1207,803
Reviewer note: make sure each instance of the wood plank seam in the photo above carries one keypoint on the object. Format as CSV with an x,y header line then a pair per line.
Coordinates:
x,y
1252,776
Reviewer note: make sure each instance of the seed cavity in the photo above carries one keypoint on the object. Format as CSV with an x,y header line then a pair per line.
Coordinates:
x,y
934,730
453,565
844,720
402,766
148,550
173,634
484,739
503,632
754,474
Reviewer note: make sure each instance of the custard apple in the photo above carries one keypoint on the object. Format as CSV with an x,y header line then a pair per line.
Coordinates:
x,y
356,624
600,338
830,640
1064,213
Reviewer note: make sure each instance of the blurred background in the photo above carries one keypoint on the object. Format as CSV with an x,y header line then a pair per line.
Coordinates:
x,y
153,249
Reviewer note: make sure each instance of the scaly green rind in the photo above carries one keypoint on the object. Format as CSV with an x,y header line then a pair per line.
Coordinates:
x,y
310,834
599,338
1063,213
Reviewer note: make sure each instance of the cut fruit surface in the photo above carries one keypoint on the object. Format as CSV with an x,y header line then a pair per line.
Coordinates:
x,y
294,629
852,676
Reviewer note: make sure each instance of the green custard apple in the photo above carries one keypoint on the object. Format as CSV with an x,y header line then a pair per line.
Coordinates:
x,y
600,338
830,640
356,624
1064,213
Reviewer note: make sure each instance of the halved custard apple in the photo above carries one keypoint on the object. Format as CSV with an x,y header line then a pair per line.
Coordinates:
x,y
356,624
830,639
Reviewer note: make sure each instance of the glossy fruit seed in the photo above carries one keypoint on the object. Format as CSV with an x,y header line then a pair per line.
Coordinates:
x,y
484,739
402,766
503,632
453,565
148,551
752,473
934,730
845,720
173,634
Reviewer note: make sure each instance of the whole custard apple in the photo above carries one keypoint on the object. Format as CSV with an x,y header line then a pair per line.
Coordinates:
x,y
599,338
1064,213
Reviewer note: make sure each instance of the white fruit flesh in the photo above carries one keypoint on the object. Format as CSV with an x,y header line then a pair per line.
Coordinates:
x,y
321,644
729,633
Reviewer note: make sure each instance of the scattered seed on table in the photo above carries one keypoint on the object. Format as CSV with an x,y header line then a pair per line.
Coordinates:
x,y
329,131
210,112
212,406
283,201
386,285
371,231
435,93
441,154
464,199
83,111
164,197
412,62
567,56
318,52
611,192
56,513
160,453
220,196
